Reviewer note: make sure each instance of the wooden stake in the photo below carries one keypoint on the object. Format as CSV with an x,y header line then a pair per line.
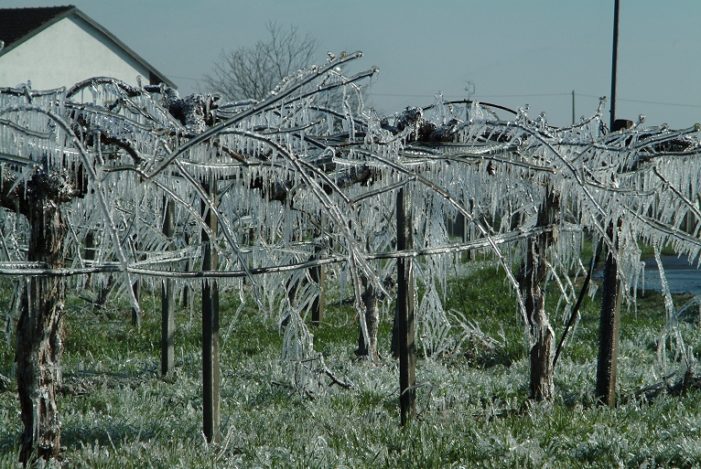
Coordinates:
x,y
90,248
210,325
317,275
135,313
405,312
609,325
167,303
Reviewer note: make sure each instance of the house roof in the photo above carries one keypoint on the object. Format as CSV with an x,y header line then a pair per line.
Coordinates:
x,y
17,25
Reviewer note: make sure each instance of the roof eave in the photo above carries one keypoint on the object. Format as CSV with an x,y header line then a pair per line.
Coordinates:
x,y
92,23
36,31
124,47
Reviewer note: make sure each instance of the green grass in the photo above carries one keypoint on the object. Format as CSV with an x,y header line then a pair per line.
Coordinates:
x,y
473,409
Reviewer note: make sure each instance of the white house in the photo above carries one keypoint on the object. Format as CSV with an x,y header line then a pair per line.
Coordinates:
x,y
60,46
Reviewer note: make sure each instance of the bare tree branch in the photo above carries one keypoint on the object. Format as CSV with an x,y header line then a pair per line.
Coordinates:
x,y
252,72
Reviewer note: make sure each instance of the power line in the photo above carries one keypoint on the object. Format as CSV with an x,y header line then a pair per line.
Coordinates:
x,y
539,95
526,95
404,95
507,95
518,95
646,101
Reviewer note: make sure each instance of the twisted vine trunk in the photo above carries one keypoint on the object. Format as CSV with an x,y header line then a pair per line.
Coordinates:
x,y
372,320
541,352
533,279
40,329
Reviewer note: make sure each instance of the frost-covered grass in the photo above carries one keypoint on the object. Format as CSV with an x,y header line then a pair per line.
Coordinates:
x,y
473,409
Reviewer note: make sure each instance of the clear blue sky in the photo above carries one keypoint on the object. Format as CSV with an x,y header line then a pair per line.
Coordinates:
x,y
513,51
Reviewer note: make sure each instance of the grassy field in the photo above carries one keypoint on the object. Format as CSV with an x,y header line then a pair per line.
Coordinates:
x,y
473,409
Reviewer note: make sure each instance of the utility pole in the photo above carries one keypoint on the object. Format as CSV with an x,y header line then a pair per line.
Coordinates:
x,y
609,319
614,63
572,107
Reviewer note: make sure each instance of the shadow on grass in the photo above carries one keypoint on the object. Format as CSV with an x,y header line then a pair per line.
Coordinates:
x,y
85,381
489,360
9,442
112,434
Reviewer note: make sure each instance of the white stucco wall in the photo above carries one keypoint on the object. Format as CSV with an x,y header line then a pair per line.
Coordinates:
x,y
63,54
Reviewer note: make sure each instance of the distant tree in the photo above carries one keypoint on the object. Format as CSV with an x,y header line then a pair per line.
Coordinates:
x,y
252,72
